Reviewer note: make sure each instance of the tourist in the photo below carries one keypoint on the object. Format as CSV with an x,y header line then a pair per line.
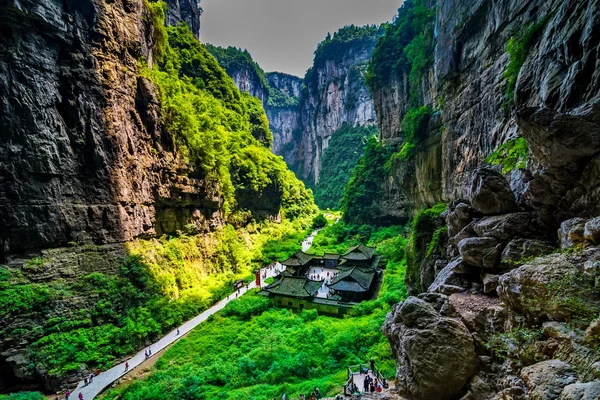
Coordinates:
x,y
91,377
56,397
366,384
385,384
284,397
85,382
149,352
177,331
317,393
145,354
126,365
80,396
372,365
378,389
67,394
372,387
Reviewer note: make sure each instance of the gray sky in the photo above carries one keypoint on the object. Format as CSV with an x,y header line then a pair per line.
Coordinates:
x,y
282,35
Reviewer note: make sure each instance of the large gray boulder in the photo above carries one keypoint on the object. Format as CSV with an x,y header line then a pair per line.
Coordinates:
x,y
547,379
458,218
533,288
520,249
507,226
434,350
591,230
572,233
491,193
482,252
451,279
581,391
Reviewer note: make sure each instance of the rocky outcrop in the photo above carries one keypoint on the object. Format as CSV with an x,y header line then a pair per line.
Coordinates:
x,y
188,11
426,334
283,112
556,106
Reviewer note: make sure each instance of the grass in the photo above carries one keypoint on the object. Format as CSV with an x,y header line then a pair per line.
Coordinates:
x,y
511,155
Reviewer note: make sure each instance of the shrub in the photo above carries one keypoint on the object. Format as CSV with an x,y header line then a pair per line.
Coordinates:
x,y
511,155
319,222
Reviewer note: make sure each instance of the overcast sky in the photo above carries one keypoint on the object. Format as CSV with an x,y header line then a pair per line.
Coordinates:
x,y
282,35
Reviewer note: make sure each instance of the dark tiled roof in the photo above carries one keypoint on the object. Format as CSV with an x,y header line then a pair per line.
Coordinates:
x,y
294,286
360,252
353,280
298,259
328,256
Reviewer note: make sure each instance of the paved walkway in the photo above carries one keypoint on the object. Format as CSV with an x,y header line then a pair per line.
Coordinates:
x,y
106,378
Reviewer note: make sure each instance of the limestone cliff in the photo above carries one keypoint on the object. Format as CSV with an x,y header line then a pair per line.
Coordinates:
x,y
553,104
188,11
493,109
89,163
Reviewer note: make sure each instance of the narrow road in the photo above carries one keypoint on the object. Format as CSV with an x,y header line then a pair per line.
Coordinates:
x,y
106,378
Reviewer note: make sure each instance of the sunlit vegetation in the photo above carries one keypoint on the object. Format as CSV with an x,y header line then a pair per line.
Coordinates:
x,y
345,148
511,155
223,137
251,350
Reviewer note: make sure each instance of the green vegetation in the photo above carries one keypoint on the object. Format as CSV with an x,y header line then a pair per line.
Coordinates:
x,y
221,132
577,298
23,396
319,222
361,195
234,60
406,49
424,237
278,98
517,48
413,126
350,39
251,350
511,155
517,345
346,146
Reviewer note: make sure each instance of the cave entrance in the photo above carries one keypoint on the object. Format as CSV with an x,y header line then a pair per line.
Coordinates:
x,y
10,383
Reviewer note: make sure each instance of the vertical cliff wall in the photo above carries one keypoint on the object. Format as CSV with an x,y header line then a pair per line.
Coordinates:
x,y
188,11
482,96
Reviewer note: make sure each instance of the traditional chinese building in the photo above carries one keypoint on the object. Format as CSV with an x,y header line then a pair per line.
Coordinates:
x,y
330,283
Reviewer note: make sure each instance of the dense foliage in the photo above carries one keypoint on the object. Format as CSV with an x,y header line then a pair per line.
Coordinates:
x,y
413,125
233,59
252,351
345,148
406,47
220,131
361,195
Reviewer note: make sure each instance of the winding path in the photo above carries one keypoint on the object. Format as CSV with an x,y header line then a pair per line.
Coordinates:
x,y
106,378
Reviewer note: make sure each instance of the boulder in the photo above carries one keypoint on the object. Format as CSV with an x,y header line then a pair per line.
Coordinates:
x,y
451,278
465,233
591,230
490,283
520,249
528,289
572,233
507,226
491,193
481,252
581,391
458,218
592,333
434,350
547,379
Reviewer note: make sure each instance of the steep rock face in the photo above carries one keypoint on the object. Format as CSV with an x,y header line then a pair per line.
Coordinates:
x,y
284,116
555,109
89,159
247,81
336,95
188,11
